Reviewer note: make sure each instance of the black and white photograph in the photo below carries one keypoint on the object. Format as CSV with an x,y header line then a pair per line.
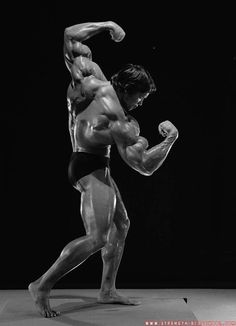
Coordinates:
x,y
119,200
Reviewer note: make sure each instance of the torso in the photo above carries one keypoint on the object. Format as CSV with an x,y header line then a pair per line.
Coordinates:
x,y
88,125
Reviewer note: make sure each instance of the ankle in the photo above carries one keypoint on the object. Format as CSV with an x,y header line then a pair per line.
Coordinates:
x,y
107,291
44,288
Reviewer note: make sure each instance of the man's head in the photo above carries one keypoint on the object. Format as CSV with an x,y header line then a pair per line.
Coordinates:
x,y
132,84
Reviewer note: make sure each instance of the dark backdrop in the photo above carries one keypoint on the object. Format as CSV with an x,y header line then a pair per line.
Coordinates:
x,y
182,218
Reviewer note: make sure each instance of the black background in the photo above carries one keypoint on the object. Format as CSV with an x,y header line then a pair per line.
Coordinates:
x,y
182,218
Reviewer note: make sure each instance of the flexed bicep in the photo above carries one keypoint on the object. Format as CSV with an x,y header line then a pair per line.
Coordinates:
x,y
73,51
76,34
78,60
73,47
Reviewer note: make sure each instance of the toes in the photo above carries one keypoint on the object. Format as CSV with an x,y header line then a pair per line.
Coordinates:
x,y
47,314
56,313
53,313
44,314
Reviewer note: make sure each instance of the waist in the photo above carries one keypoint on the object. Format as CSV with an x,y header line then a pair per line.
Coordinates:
x,y
105,151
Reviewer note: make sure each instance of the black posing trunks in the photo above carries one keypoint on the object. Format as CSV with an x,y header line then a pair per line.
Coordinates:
x,y
82,164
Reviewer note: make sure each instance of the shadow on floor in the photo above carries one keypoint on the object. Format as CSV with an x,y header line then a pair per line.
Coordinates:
x,y
22,310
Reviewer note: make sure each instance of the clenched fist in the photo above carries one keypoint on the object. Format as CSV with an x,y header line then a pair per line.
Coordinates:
x,y
117,33
166,128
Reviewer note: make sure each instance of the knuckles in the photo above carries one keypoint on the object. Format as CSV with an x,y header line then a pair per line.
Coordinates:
x,y
167,127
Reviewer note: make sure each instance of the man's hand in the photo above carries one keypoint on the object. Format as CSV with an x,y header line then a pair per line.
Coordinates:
x,y
117,33
166,128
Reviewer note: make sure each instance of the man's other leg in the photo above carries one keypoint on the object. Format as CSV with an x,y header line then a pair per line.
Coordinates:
x,y
112,254
97,210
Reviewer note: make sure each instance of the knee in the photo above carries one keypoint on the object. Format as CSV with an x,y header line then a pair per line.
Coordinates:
x,y
124,228
127,225
99,240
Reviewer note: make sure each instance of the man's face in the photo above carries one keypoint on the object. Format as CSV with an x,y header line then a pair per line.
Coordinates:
x,y
132,101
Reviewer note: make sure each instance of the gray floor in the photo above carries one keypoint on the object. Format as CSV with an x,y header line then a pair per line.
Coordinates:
x,y
79,307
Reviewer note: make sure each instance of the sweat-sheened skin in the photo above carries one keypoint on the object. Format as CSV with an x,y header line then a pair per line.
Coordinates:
x,y
97,120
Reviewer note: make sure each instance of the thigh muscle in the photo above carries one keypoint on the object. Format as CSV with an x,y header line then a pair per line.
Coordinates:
x,y
98,202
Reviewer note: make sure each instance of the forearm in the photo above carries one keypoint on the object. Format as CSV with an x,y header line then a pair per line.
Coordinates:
x,y
148,161
154,157
82,32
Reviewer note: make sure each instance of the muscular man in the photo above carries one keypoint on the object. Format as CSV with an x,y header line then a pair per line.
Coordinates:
x,y
98,119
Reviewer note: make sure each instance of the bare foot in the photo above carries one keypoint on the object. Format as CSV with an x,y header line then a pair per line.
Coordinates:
x,y
114,297
41,301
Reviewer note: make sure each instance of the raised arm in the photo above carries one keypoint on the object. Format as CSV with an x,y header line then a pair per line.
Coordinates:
x,y
75,35
145,161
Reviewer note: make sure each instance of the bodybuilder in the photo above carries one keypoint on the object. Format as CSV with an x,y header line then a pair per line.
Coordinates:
x,y
98,118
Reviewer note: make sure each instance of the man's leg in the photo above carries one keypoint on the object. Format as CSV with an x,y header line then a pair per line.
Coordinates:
x,y
97,210
112,254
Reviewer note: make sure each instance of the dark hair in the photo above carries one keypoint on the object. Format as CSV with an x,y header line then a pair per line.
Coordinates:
x,y
133,78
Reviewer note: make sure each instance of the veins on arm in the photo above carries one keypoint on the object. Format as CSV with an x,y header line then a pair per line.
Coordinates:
x,y
146,161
